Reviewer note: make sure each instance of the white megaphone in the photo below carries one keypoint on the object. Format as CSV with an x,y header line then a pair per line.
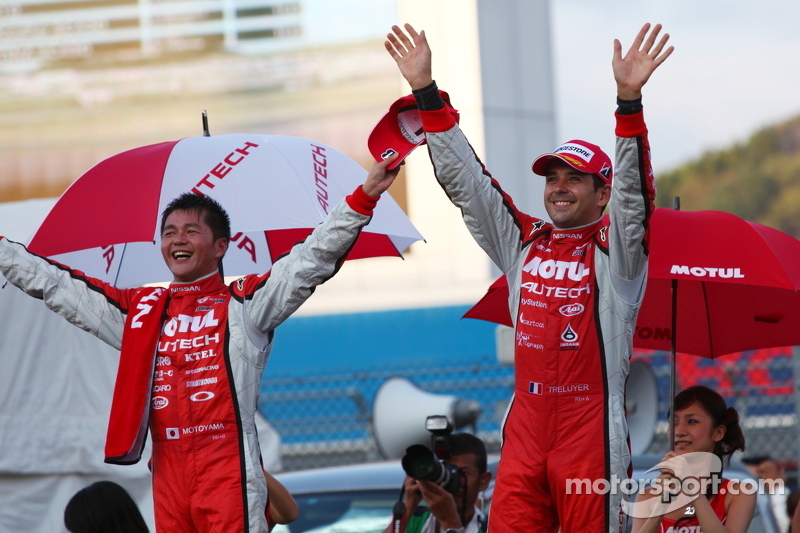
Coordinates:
x,y
400,410
641,404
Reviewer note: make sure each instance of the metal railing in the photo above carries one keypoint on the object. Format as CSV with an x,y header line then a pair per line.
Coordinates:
x,y
327,419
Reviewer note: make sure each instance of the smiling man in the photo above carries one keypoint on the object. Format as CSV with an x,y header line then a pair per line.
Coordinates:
x,y
578,283
192,355
190,247
577,188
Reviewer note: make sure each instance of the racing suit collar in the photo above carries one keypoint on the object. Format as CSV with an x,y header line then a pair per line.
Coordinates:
x,y
556,229
576,234
209,283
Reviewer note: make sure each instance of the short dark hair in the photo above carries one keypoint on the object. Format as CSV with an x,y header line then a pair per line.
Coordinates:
x,y
213,214
598,182
103,506
754,460
461,443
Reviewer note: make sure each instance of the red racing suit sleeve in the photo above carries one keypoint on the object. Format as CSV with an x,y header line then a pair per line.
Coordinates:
x,y
271,298
90,304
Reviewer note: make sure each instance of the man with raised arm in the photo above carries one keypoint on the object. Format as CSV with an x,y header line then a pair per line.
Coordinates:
x,y
575,284
192,355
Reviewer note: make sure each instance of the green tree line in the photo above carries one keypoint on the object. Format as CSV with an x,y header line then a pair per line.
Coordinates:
x,y
758,180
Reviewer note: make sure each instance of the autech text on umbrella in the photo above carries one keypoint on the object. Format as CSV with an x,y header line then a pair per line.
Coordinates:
x,y
220,170
320,175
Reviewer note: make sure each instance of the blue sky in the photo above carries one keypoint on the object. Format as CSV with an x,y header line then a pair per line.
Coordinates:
x,y
734,70
736,67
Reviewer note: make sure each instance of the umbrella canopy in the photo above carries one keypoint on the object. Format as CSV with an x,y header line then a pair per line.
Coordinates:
x,y
275,188
493,307
738,285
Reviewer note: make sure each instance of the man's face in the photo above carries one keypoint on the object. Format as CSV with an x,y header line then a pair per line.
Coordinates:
x,y
476,482
570,198
767,470
188,246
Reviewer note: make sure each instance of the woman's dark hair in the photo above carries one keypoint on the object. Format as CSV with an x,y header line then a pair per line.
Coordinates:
x,y
103,507
721,415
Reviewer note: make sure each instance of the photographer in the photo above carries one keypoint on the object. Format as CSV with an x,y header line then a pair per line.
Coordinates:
x,y
448,512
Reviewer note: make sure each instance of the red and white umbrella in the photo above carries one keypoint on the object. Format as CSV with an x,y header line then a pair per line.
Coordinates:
x,y
738,286
275,188
716,284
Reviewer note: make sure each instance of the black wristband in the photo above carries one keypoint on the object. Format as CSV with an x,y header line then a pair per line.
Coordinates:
x,y
629,107
428,98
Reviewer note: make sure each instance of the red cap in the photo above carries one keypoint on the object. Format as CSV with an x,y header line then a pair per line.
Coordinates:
x,y
580,155
400,130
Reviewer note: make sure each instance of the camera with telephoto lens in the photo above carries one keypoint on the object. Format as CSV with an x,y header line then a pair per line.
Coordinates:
x,y
430,464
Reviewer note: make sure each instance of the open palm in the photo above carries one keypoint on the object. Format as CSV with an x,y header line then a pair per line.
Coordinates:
x,y
412,54
644,56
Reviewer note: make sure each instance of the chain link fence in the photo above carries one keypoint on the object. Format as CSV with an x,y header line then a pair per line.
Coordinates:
x,y
326,419
759,384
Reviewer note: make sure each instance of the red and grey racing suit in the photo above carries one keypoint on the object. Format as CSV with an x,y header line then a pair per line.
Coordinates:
x,y
211,352
574,295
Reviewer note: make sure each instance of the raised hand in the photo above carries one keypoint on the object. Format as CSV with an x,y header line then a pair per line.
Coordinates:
x,y
380,178
413,494
441,504
412,54
644,56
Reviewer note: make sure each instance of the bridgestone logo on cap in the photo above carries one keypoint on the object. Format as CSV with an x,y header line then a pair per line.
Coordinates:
x,y
577,150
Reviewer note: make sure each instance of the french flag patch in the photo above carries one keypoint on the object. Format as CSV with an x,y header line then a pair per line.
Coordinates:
x,y
535,388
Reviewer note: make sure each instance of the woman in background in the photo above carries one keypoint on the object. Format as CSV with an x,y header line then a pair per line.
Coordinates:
x,y
703,423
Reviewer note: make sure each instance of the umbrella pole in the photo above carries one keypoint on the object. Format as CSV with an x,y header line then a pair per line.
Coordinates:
x,y
205,124
121,257
676,204
672,366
